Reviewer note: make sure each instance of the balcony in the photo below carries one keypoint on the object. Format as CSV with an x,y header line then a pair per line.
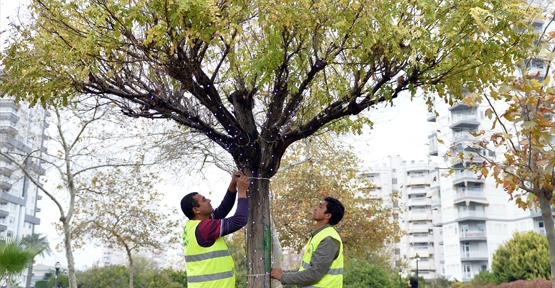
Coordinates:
x,y
459,106
419,215
467,196
467,157
464,121
421,238
460,177
32,219
431,117
416,191
13,199
537,212
432,149
422,251
436,220
418,166
420,201
411,181
478,255
471,215
463,136
418,228
472,235
536,68
11,114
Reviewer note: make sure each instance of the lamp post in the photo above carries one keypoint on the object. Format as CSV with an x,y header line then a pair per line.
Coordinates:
x,y
400,278
57,266
417,259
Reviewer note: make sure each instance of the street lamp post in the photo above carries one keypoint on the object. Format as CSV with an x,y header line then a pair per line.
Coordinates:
x,y
417,259
400,278
57,266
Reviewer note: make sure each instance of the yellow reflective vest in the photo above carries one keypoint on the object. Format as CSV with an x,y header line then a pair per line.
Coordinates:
x,y
334,277
207,267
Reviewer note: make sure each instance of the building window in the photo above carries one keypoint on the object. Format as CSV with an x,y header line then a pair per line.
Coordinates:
x,y
10,233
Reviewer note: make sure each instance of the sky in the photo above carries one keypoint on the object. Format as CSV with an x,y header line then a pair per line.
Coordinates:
x,y
399,130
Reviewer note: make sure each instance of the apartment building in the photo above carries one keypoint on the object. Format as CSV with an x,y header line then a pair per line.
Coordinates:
x,y
21,132
414,180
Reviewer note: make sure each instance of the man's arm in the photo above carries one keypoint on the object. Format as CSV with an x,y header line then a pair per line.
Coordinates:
x,y
320,263
225,206
229,198
209,230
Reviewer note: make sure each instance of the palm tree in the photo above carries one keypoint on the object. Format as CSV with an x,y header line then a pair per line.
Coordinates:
x,y
15,256
36,239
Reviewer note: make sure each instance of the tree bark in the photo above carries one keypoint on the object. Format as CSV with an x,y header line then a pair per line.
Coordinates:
x,y
29,274
545,206
130,266
69,254
259,236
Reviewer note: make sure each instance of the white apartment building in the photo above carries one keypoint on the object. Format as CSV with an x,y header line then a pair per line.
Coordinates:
x,y
21,131
414,180
453,222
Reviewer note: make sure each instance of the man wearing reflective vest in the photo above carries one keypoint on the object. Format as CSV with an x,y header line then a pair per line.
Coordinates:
x,y
322,263
209,263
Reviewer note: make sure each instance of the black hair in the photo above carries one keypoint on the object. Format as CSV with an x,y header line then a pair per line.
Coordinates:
x,y
335,208
413,282
187,204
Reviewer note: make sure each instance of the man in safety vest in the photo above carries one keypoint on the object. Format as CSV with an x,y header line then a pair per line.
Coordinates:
x,y
322,263
209,263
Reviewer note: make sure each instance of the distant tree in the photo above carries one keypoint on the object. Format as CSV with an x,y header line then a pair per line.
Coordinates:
x,y
323,166
484,277
81,142
146,274
177,276
121,209
36,239
42,284
362,274
438,282
63,281
113,276
523,257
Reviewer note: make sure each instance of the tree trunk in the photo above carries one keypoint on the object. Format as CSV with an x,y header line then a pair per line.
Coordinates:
x,y
545,206
29,274
259,236
69,255
131,269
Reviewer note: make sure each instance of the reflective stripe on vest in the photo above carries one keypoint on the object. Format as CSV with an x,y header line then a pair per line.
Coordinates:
x,y
206,266
209,277
335,271
206,256
334,276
